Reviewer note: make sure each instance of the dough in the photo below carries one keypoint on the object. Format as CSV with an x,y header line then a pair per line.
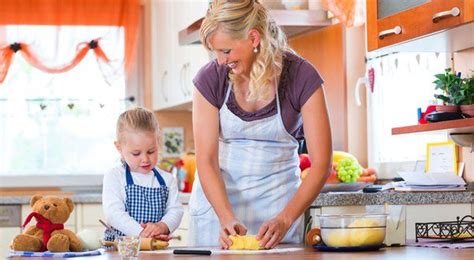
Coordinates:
x,y
360,233
366,236
244,243
338,238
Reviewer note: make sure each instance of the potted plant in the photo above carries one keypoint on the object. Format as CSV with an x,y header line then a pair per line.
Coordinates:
x,y
450,85
467,106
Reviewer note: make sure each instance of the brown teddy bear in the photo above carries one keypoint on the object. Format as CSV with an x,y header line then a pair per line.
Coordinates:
x,y
48,234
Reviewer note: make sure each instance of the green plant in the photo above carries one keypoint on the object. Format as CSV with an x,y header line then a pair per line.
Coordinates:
x,y
468,91
451,86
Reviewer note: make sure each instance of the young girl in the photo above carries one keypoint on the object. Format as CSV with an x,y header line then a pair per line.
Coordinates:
x,y
137,198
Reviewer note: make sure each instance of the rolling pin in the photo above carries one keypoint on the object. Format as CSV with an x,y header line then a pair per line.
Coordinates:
x,y
313,237
145,244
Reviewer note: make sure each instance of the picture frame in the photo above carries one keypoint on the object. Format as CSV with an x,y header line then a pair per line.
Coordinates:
x,y
173,141
441,157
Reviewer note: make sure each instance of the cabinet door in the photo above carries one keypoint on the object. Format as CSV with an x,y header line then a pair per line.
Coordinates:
x,y
182,232
181,240
390,22
447,14
433,213
88,216
387,25
160,52
6,237
189,58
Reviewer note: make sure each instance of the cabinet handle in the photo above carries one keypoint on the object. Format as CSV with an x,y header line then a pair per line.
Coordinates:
x,y
182,81
444,14
395,30
186,74
163,85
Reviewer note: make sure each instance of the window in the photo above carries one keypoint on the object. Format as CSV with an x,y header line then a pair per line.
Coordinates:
x,y
61,124
403,83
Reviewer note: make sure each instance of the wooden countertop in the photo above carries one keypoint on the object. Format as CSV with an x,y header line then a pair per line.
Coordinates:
x,y
309,253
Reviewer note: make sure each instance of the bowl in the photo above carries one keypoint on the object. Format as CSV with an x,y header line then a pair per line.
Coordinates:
x,y
354,230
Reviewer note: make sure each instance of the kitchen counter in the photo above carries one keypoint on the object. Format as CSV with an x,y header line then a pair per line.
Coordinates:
x,y
309,253
323,200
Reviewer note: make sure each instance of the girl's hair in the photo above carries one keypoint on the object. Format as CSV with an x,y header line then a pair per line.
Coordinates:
x,y
236,18
137,119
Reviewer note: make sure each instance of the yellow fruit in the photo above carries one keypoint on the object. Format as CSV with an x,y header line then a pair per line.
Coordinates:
x,y
339,155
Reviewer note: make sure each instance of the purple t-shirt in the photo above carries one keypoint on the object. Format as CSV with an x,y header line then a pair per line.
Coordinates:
x,y
298,81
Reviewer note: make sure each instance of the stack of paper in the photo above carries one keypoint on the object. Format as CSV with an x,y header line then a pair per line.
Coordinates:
x,y
416,181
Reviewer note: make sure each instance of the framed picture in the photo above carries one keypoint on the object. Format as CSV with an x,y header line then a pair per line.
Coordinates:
x,y
173,141
441,157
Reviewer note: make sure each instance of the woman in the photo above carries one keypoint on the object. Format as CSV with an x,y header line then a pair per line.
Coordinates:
x,y
248,114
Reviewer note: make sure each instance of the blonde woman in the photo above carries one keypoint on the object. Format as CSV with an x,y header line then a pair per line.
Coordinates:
x,y
248,114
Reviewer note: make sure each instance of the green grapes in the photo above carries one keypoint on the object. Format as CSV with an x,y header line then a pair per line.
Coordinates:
x,y
348,170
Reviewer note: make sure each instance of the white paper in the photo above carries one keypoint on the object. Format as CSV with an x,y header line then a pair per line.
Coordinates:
x,y
423,179
442,159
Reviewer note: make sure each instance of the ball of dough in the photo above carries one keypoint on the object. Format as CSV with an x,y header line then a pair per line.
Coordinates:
x,y
338,238
366,235
244,243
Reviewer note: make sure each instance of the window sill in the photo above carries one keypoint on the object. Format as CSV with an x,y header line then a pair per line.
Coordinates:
x,y
66,182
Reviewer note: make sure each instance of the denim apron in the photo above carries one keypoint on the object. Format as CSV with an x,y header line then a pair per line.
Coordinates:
x,y
259,164
144,204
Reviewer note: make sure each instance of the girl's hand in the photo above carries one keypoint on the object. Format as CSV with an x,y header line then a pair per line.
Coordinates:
x,y
154,229
232,227
273,231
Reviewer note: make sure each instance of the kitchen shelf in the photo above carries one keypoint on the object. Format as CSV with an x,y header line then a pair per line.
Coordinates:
x,y
452,126
293,22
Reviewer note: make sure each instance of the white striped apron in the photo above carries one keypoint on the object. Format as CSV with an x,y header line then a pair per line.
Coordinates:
x,y
259,164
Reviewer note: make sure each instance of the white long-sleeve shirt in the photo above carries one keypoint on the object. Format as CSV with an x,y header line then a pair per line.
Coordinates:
x,y
113,199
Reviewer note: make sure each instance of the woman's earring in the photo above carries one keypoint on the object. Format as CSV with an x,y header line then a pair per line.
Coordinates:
x,y
255,50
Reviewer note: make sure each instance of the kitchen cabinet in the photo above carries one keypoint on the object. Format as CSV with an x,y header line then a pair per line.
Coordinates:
x,y
6,237
173,66
433,213
391,22
88,216
182,231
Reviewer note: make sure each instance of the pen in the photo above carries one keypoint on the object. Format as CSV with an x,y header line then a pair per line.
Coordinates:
x,y
191,252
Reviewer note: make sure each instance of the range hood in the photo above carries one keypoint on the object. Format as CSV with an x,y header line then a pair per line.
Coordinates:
x,y
293,22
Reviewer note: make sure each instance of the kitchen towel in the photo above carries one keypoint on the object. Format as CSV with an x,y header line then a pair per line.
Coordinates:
x,y
441,244
58,255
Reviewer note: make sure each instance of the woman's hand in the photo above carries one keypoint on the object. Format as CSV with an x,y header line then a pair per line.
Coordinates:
x,y
232,227
154,230
273,231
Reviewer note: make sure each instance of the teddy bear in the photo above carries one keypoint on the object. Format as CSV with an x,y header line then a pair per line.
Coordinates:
x,y
48,234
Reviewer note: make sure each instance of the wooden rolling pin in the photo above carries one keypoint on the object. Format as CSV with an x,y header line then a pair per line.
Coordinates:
x,y
145,244
313,237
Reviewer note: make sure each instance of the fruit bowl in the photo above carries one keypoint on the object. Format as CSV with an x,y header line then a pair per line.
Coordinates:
x,y
355,230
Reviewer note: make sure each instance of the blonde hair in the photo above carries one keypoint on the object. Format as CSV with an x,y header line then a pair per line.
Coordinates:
x,y
237,18
137,119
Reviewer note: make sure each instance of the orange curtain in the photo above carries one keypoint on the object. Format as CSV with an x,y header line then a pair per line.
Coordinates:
x,y
351,13
123,13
